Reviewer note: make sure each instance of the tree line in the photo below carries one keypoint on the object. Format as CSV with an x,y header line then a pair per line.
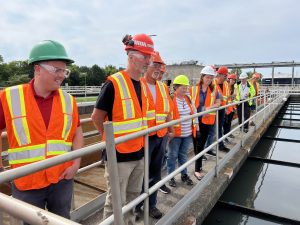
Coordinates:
x,y
19,72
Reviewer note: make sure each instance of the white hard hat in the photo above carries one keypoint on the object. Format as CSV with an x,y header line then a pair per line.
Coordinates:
x,y
208,70
243,75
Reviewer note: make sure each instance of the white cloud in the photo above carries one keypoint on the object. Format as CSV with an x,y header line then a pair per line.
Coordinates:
x,y
209,31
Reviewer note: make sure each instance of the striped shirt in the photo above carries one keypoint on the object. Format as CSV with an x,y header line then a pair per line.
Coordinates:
x,y
184,110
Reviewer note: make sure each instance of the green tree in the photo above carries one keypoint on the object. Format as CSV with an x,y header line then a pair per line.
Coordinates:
x,y
74,79
98,76
237,71
109,70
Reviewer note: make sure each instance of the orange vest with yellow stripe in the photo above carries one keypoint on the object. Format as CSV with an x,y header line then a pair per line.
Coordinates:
x,y
157,113
127,115
30,140
176,115
210,99
225,92
230,109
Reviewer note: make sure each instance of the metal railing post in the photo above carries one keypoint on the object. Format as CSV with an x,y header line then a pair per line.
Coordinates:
x,y
264,108
146,180
243,121
217,147
113,173
1,217
256,106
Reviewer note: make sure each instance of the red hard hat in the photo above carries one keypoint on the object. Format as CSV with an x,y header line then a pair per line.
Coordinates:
x,y
232,76
140,42
157,58
223,70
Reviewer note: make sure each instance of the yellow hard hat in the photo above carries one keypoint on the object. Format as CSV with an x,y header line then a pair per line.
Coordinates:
x,y
182,80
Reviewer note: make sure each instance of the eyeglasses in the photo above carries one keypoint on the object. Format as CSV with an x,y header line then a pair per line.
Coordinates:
x,y
141,56
55,70
155,65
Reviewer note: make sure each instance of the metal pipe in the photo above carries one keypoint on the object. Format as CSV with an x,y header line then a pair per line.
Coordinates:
x,y
243,122
272,75
82,121
12,174
217,147
264,117
155,187
146,180
29,213
40,165
293,74
83,169
112,167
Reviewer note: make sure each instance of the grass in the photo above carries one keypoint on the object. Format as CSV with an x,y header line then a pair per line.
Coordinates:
x,y
86,99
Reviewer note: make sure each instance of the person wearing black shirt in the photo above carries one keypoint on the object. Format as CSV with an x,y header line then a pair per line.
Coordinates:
x,y
130,161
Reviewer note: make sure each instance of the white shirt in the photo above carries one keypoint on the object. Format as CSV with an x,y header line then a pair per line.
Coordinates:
x,y
184,110
152,88
244,89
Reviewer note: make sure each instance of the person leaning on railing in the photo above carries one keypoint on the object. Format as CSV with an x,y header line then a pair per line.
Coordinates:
x,y
254,82
244,90
42,121
205,96
184,131
123,100
230,110
160,109
223,88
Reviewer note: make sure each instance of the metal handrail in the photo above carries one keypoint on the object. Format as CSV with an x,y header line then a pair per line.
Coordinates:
x,y
155,187
82,121
34,167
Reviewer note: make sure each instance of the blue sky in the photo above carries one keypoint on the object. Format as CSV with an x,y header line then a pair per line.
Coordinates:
x,y
210,31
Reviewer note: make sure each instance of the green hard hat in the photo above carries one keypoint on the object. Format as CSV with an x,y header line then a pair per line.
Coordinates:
x,y
48,50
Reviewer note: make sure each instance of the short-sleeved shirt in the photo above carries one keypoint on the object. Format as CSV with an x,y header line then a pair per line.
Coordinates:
x,y
184,111
105,102
44,104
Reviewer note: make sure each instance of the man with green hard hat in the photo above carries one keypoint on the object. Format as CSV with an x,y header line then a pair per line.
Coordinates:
x,y
42,121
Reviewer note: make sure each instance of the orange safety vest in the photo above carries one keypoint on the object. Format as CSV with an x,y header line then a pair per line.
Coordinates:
x,y
30,140
225,93
230,109
127,115
210,99
177,127
157,113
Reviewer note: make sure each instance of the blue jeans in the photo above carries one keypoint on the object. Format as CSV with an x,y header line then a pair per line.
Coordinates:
x,y
212,130
178,150
211,136
56,197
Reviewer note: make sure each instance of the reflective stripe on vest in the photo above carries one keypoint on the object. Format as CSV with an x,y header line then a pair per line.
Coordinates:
x,y
58,147
150,115
26,154
35,153
164,95
129,126
194,93
127,103
67,108
16,104
212,99
161,118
